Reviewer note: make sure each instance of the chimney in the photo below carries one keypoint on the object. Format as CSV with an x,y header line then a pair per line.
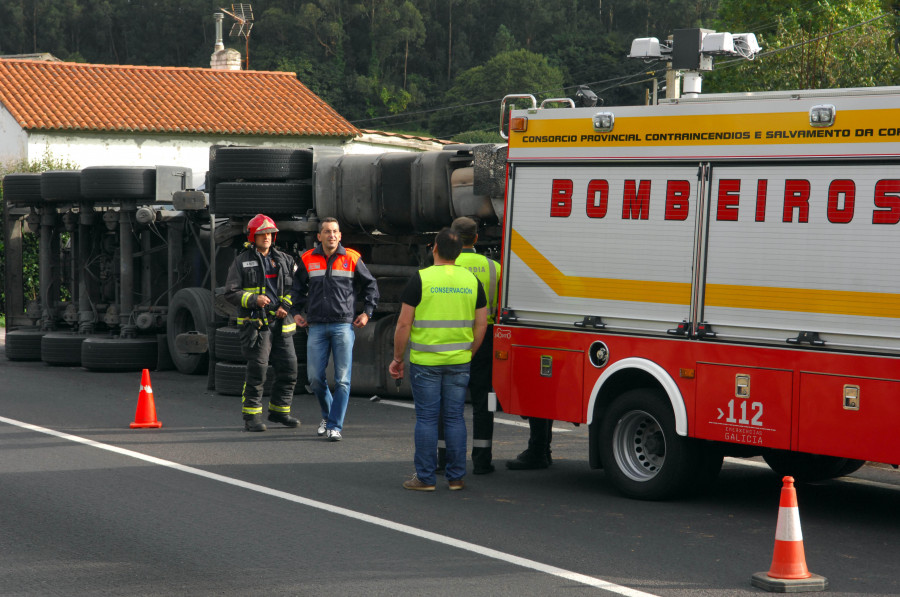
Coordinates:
x,y
219,17
221,58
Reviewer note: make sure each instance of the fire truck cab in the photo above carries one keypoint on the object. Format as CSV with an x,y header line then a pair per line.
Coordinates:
x,y
710,276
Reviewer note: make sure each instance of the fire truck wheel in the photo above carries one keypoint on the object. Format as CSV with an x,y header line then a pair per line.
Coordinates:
x,y
808,468
190,311
118,182
22,189
641,453
262,163
120,354
24,345
228,345
62,348
270,198
230,379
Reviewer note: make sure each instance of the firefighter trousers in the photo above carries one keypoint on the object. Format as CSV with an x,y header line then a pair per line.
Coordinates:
x,y
480,385
278,349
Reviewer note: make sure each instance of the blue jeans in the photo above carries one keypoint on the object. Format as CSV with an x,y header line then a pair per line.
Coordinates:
x,y
439,389
327,339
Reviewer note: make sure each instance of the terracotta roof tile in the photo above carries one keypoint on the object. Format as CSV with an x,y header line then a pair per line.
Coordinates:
x,y
98,97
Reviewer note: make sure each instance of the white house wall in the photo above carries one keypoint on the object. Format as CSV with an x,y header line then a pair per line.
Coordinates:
x,y
13,140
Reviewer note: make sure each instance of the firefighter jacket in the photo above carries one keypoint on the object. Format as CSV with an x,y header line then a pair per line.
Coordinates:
x,y
327,287
488,272
442,331
246,280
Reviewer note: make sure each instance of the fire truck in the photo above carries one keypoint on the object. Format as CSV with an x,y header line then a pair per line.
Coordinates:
x,y
710,276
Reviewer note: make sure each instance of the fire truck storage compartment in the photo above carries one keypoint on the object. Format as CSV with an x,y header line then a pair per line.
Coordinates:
x,y
539,372
849,417
601,241
744,405
805,248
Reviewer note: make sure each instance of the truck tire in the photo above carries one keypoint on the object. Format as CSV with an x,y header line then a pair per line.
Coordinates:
x,y
22,189
808,468
24,345
300,338
118,182
262,163
61,186
230,378
641,453
119,354
228,345
190,311
62,348
270,198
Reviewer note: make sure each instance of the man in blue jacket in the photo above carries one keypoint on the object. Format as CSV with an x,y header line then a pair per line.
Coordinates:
x,y
328,283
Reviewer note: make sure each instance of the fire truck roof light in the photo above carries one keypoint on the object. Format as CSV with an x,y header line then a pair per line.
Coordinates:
x,y
518,124
822,115
603,122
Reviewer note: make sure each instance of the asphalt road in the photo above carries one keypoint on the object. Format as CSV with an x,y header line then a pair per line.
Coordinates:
x,y
199,507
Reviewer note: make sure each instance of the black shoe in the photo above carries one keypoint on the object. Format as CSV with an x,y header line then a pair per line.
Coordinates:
x,y
526,462
254,423
285,419
483,469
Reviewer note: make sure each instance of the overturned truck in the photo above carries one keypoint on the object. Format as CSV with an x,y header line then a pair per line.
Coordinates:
x,y
131,261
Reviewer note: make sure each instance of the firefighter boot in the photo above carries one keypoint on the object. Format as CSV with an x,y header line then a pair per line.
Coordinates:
x,y
254,423
284,418
528,461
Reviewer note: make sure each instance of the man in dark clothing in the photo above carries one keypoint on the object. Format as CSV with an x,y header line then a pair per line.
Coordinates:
x,y
537,454
259,284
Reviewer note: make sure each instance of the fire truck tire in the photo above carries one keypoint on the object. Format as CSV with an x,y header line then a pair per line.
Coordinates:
x,y
190,311
62,348
808,468
22,189
24,345
641,453
270,198
262,163
118,182
228,345
230,379
119,354
61,186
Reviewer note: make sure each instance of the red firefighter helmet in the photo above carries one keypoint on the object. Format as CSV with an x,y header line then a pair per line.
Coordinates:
x,y
261,224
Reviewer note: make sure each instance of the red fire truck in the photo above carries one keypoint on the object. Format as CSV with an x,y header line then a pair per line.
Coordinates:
x,y
711,276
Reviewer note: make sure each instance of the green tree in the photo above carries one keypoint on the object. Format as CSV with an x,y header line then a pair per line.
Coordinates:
x,y
478,90
827,44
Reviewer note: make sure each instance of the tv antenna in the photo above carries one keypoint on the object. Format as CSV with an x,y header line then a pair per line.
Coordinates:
x,y
243,23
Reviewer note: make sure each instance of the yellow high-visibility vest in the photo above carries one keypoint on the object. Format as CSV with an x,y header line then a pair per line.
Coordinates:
x,y
442,331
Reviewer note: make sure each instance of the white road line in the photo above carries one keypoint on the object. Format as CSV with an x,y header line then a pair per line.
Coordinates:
x,y
497,419
590,581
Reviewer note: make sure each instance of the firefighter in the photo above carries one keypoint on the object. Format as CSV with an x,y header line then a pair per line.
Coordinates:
x,y
442,318
488,272
259,284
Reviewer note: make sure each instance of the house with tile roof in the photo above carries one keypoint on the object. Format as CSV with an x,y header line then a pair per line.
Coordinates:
x,y
112,115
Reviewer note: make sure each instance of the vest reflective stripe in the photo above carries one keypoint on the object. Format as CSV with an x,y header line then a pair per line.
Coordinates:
x,y
487,272
455,323
442,331
317,273
342,273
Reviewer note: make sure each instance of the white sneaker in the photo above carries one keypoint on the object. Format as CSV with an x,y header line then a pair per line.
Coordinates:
x,y
321,430
334,435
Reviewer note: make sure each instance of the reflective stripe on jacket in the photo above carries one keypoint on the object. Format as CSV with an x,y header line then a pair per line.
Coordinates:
x,y
488,273
442,331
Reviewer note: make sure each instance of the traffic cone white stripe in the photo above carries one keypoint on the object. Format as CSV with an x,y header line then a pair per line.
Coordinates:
x,y
147,389
788,526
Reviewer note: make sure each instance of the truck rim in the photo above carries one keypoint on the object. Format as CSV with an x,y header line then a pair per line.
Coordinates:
x,y
639,445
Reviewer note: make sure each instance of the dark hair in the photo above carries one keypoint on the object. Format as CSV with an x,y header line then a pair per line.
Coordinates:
x,y
467,230
328,220
448,244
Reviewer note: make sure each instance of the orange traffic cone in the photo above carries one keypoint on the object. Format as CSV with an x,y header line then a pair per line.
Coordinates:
x,y
145,416
788,572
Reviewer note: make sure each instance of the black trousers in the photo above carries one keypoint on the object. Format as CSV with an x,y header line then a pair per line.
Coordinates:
x,y
275,347
480,385
539,436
